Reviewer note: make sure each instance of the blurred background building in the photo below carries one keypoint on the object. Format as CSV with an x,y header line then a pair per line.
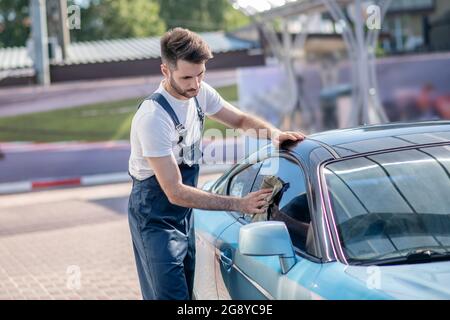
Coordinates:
x,y
417,26
311,64
344,73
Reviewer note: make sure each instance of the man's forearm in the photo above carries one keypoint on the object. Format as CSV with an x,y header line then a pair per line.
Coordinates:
x,y
264,130
190,197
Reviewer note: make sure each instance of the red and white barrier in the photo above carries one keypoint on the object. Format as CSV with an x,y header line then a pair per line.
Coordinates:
x,y
41,184
90,180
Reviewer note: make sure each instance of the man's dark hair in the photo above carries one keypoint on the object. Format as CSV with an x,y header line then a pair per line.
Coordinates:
x,y
183,44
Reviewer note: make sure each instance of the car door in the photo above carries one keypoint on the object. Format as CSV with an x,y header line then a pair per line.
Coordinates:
x,y
238,185
208,226
260,277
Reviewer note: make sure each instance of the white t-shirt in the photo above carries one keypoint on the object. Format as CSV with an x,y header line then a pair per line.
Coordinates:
x,y
153,132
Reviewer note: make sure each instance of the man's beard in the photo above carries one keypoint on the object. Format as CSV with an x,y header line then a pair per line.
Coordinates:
x,y
185,93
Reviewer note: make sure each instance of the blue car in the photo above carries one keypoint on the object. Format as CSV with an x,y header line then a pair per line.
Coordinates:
x,y
364,213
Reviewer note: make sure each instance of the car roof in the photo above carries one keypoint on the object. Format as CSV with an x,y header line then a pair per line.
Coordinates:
x,y
349,142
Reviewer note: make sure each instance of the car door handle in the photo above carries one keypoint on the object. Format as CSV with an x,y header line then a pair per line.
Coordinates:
x,y
227,262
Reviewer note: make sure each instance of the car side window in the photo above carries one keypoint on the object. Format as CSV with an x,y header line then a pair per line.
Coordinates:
x,y
241,184
292,207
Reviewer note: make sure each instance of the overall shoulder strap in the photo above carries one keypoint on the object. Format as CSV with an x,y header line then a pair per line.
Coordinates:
x,y
159,98
200,113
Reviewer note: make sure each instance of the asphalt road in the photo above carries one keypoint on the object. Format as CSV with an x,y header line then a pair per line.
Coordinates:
x,y
59,161
22,100
70,162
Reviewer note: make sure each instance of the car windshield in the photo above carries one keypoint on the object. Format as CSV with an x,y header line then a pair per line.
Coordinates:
x,y
388,204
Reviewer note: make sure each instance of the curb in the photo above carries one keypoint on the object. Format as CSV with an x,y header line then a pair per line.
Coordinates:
x,y
50,183
28,146
90,180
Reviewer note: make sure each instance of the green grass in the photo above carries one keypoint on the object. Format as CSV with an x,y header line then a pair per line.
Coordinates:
x,y
96,122
229,93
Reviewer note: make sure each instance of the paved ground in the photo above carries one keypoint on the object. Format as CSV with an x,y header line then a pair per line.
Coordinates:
x,y
68,244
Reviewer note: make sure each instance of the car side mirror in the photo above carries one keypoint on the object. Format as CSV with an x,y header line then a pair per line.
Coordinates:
x,y
268,238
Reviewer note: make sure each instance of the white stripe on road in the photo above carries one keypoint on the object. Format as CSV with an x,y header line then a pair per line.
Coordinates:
x,y
105,178
15,187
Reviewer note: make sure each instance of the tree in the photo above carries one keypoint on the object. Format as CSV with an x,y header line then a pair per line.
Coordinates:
x,y
113,19
14,22
234,19
201,15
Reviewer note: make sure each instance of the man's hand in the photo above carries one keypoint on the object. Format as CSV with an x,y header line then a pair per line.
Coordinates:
x,y
255,202
169,177
234,118
278,137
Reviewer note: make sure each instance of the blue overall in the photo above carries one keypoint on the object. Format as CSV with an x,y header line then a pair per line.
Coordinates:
x,y
163,234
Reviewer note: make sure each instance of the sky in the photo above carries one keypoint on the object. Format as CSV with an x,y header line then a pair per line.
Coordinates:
x,y
260,5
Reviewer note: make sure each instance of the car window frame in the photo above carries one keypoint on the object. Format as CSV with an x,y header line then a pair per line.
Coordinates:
x,y
219,184
222,185
340,254
246,166
241,217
